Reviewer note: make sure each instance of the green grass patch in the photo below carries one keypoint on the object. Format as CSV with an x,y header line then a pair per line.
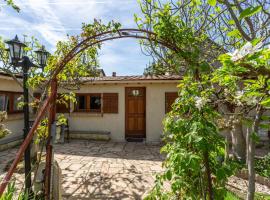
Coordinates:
x,y
230,196
259,196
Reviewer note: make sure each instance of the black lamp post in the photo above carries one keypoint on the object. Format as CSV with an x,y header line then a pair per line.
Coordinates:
x,y
19,59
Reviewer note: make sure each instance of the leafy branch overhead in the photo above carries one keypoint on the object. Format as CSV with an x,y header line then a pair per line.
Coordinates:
x,y
12,4
217,86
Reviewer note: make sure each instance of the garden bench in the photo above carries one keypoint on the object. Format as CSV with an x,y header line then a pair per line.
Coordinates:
x,y
90,135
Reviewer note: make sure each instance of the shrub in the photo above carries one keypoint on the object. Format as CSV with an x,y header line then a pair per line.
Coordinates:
x,y
262,166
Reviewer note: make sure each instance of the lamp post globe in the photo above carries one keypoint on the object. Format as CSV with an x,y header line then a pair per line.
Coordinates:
x,y
42,56
16,50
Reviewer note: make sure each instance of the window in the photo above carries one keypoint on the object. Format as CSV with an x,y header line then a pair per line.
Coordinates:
x,y
3,102
97,102
9,102
170,97
88,102
82,102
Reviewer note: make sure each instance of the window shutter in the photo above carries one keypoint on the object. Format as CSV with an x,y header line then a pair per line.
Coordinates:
x,y
169,100
37,95
62,107
110,102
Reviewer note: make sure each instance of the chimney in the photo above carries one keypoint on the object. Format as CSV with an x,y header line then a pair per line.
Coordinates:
x,y
114,74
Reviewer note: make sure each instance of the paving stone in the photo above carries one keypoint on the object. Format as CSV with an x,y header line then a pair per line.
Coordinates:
x,y
102,170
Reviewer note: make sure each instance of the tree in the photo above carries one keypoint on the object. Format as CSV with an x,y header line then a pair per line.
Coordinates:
x,y
191,40
249,66
226,25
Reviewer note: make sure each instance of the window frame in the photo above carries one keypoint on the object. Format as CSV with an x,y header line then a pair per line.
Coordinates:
x,y
88,103
10,96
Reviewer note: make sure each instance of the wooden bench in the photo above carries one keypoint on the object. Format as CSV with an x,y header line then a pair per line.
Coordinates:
x,y
10,141
90,135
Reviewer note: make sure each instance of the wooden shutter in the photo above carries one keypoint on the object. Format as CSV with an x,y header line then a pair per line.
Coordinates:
x,y
169,100
62,107
37,95
110,102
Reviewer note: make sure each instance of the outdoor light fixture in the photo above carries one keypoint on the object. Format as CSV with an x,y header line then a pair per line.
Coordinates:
x,y
19,59
16,50
42,56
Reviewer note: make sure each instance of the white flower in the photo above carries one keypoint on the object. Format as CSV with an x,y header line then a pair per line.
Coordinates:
x,y
239,94
200,102
251,101
226,92
245,50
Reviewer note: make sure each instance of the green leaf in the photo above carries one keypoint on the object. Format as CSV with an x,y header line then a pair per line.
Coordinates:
x,y
254,136
169,175
266,102
234,33
212,2
249,12
265,126
231,22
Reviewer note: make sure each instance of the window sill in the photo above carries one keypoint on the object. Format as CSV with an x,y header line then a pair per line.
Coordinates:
x,y
85,114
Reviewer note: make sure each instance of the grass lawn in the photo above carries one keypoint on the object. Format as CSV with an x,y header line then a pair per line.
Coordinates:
x,y
231,196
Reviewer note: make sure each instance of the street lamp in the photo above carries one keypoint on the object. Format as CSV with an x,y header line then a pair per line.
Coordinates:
x,y
19,59
42,56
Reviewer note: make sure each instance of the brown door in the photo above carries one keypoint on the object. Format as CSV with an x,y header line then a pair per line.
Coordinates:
x,y
135,112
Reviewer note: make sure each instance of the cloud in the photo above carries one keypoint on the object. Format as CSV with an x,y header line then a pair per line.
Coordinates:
x,y
51,20
123,56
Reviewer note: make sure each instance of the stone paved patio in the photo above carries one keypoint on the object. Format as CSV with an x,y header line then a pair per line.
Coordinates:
x,y
103,170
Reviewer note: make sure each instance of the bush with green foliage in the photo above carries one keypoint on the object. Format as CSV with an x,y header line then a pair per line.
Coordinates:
x,y
10,194
195,161
3,130
262,166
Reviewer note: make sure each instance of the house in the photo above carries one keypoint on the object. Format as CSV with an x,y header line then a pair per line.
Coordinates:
x,y
10,93
123,106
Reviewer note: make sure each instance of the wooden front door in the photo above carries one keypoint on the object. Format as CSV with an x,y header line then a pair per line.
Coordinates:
x,y
135,112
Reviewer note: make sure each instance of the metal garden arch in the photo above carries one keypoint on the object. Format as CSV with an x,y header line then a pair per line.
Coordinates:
x,y
51,99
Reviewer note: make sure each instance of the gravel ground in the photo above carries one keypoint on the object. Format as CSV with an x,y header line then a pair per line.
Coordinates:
x,y
242,185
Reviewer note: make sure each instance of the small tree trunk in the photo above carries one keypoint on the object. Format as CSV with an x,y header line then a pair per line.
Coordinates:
x,y
208,174
227,148
251,153
237,135
238,141
268,137
250,165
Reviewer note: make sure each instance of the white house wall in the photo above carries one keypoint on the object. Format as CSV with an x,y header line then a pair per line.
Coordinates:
x,y
14,122
115,123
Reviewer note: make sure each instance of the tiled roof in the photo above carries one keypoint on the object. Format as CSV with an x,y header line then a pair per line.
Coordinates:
x,y
133,78
8,75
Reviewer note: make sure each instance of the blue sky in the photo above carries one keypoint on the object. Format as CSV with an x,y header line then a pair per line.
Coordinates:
x,y
50,21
